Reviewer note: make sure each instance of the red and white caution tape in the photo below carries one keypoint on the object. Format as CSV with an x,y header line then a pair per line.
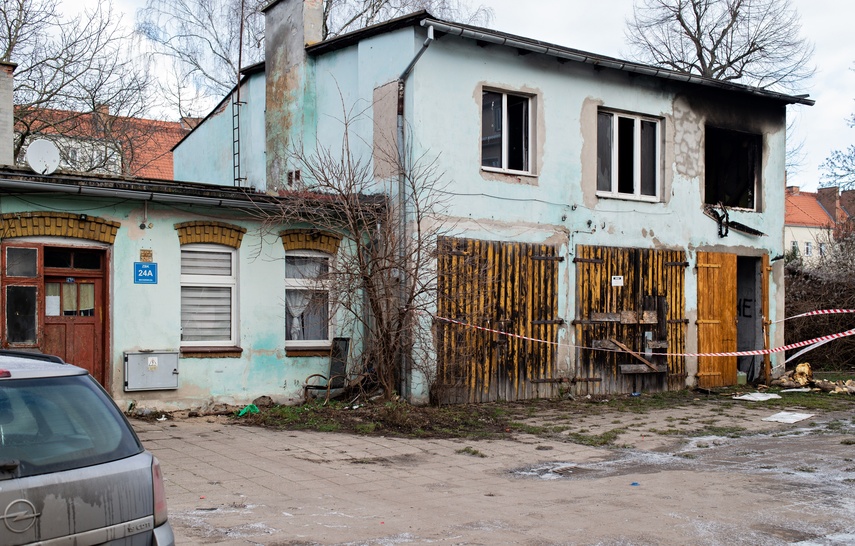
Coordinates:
x,y
732,353
818,312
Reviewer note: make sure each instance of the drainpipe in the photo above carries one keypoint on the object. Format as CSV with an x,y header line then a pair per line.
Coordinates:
x,y
406,364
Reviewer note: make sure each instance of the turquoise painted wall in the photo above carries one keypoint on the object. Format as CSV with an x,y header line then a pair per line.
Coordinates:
x,y
206,154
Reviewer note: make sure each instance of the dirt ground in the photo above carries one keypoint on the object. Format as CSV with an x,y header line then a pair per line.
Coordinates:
x,y
701,470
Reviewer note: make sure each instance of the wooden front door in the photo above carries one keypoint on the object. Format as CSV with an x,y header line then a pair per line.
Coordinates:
x,y
73,322
717,318
53,301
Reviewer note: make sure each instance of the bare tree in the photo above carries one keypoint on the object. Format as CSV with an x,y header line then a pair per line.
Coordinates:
x,y
210,40
825,283
342,16
755,42
382,282
839,167
70,71
206,43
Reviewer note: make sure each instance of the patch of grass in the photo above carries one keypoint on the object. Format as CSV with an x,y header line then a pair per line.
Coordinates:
x,y
366,428
710,430
848,442
687,455
848,480
806,469
528,429
471,451
596,440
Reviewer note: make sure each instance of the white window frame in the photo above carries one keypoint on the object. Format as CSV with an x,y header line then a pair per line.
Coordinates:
x,y
529,170
808,248
313,285
615,155
794,246
215,281
823,249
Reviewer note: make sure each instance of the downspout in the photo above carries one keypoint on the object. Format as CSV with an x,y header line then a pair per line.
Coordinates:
x,y
406,363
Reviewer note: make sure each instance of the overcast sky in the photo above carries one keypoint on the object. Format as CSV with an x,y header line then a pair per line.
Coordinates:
x,y
598,26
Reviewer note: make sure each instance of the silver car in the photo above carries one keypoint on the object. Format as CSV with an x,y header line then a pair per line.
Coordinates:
x,y
72,470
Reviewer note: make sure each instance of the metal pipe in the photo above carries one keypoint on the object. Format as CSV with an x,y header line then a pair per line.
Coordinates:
x,y
406,368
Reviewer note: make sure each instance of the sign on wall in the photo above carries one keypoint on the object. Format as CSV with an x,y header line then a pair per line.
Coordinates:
x,y
145,273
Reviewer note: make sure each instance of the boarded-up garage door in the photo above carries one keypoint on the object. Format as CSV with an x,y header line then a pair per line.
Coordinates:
x,y
509,287
629,298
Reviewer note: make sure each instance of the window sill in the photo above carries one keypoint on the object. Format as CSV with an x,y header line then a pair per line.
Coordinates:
x,y
211,352
628,197
522,176
299,351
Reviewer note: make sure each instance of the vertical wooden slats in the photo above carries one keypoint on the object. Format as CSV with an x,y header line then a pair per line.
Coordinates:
x,y
651,278
501,286
716,318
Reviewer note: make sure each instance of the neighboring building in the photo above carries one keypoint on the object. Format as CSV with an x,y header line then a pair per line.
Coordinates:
x,y
813,220
160,289
101,143
610,205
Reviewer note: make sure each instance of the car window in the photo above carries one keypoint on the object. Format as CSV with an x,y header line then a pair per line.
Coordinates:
x,y
60,423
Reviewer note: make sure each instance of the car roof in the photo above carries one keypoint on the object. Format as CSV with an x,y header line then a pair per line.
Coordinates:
x,y
21,365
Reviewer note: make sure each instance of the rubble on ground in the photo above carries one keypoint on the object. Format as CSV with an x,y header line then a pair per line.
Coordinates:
x,y
802,376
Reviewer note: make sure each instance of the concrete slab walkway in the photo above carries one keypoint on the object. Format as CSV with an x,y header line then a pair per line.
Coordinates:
x,y
238,485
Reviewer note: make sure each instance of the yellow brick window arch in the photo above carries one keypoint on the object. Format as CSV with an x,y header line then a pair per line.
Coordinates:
x,y
58,224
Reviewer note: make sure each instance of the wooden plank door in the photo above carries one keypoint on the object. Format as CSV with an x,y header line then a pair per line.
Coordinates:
x,y
636,297
73,322
716,318
506,287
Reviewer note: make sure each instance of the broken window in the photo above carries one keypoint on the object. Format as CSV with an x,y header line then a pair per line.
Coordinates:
x,y
505,130
627,156
732,168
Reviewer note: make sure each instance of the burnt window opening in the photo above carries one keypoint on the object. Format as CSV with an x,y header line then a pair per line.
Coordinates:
x,y
505,129
732,161
627,156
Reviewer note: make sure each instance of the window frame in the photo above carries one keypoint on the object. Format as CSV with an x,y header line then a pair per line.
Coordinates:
x,y
638,119
529,132
315,285
741,137
212,281
808,248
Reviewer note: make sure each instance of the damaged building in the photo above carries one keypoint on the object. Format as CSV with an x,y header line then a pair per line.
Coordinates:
x,y
608,220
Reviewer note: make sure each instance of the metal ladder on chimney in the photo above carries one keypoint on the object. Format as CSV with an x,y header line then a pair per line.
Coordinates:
x,y
236,105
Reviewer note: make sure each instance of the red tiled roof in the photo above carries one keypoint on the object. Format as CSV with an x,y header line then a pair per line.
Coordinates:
x,y
804,209
146,143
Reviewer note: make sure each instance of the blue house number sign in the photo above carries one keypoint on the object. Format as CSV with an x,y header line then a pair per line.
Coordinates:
x,y
145,273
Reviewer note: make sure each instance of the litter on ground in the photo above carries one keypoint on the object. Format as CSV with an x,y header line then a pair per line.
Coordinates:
x,y
756,396
788,417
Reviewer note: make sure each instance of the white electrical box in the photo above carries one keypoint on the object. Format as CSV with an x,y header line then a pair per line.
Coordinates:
x,y
151,371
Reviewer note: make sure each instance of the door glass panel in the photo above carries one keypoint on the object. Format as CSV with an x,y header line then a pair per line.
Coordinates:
x,y
87,300
57,257
21,314
52,299
21,262
69,299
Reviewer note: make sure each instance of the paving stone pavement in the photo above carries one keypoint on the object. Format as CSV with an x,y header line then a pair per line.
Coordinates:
x,y
238,485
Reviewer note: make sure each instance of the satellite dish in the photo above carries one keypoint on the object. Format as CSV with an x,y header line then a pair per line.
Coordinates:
x,y
42,156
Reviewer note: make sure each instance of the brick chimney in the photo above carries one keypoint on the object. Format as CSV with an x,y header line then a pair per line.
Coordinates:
x,y
830,201
847,201
793,190
290,25
7,113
